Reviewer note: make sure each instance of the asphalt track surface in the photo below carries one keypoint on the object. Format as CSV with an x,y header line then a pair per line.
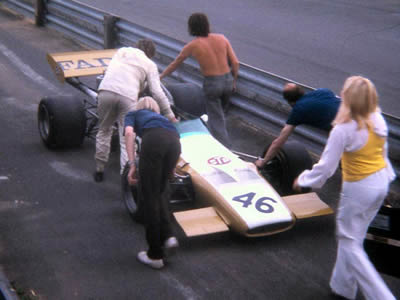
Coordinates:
x,y
63,236
317,43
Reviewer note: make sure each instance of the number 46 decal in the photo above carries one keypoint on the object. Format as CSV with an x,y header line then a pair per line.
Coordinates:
x,y
261,203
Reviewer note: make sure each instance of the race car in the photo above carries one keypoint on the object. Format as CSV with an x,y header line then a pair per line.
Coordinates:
x,y
65,121
232,193
228,192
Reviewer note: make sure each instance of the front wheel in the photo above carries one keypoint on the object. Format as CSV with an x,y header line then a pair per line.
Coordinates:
x,y
283,169
130,196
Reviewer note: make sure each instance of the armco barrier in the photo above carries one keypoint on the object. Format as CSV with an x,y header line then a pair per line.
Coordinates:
x,y
258,99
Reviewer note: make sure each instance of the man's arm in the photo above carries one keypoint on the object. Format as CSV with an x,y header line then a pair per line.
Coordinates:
x,y
185,53
234,62
158,94
130,136
276,145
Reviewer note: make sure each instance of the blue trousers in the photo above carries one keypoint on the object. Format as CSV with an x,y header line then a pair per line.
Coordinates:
x,y
218,90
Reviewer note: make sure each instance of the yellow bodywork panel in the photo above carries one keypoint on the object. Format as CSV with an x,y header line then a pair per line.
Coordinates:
x,y
200,221
307,205
80,63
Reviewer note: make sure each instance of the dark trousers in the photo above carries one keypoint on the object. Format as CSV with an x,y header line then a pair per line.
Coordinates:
x,y
158,157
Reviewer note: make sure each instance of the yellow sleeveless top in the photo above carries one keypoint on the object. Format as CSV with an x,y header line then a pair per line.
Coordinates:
x,y
369,159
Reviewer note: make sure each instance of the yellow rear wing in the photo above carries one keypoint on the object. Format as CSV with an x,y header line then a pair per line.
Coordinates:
x,y
80,63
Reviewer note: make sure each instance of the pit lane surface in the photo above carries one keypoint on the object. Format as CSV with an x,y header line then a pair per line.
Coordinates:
x,y
63,236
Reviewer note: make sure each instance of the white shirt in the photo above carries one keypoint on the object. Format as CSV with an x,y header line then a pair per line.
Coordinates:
x,y
127,73
344,138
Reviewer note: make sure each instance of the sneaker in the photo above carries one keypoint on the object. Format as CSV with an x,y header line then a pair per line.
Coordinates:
x,y
171,242
170,246
153,263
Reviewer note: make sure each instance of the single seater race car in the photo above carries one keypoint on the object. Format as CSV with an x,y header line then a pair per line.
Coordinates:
x,y
228,192
232,192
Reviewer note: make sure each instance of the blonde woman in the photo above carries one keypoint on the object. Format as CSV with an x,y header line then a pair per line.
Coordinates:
x,y
358,139
159,154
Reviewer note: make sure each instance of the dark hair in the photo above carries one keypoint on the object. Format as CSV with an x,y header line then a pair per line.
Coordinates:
x,y
292,92
198,25
147,46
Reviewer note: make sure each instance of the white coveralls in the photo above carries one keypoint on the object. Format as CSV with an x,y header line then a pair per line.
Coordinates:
x,y
119,90
359,203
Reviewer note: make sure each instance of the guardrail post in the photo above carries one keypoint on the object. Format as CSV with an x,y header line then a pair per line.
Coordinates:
x,y
110,36
40,11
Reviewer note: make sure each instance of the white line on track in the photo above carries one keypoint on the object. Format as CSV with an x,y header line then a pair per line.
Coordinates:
x,y
66,169
187,292
27,70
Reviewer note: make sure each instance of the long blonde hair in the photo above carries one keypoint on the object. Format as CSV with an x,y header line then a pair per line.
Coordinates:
x,y
359,100
148,103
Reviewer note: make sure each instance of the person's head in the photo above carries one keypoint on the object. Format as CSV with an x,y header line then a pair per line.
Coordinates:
x,y
147,46
359,100
148,103
198,25
292,92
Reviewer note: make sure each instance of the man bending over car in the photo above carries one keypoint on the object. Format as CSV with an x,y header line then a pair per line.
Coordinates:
x,y
316,108
125,77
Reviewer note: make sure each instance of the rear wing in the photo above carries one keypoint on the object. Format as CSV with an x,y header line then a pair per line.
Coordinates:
x,y
80,63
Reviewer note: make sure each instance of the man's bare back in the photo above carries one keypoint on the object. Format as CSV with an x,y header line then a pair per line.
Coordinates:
x,y
212,53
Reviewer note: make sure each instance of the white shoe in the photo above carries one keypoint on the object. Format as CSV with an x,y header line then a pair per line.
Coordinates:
x,y
170,246
153,263
171,242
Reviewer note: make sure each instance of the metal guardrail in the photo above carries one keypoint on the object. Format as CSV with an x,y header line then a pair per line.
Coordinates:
x,y
24,7
258,99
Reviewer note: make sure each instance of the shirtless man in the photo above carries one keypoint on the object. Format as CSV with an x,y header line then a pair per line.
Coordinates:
x,y
219,66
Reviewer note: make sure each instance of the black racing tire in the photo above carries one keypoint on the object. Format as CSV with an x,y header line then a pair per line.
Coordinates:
x,y
130,196
61,122
188,97
289,162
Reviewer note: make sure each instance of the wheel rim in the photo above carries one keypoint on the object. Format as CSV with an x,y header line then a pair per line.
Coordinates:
x,y
129,193
130,201
44,122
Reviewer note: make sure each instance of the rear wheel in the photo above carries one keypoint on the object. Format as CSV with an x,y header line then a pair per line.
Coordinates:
x,y
188,98
283,169
61,122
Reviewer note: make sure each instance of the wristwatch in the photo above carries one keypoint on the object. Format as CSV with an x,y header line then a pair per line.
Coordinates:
x,y
131,163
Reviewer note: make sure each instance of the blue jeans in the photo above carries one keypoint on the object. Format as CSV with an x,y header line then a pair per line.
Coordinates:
x,y
218,90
